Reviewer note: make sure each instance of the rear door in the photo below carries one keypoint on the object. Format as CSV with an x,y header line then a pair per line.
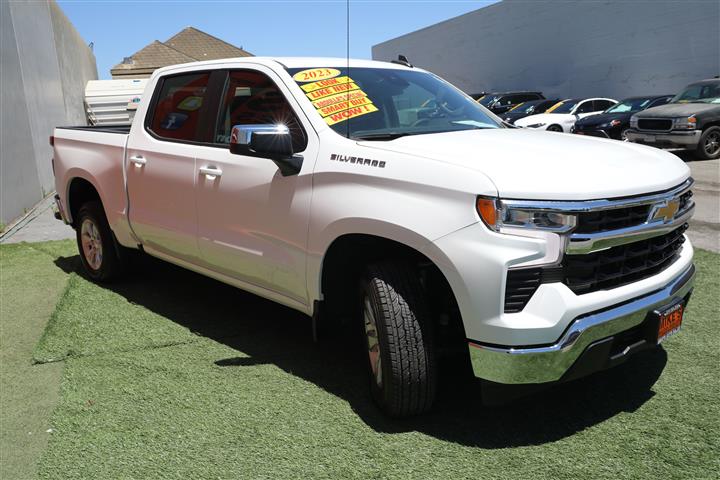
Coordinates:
x,y
252,220
161,173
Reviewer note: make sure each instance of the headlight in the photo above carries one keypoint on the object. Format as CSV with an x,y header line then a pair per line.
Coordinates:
x,y
498,214
633,122
685,123
536,125
615,123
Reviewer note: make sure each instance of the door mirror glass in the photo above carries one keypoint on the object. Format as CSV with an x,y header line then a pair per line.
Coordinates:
x,y
269,141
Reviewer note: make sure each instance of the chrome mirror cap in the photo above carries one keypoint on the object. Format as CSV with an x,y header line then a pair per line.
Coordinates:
x,y
243,134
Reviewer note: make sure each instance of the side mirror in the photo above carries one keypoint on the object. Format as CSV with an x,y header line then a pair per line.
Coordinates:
x,y
266,141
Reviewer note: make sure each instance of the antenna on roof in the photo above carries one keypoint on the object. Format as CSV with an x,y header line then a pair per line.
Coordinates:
x,y
402,60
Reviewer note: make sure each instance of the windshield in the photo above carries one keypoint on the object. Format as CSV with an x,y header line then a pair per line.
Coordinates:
x,y
562,107
699,93
630,105
384,103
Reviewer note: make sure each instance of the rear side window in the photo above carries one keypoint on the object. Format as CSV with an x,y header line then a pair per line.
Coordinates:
x,y
603,105
252,98
585,107
177,109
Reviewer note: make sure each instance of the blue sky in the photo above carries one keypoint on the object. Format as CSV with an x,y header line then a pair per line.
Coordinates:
x,y
283,28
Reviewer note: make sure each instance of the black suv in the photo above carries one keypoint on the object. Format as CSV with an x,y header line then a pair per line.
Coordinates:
x,y
691,120
501,102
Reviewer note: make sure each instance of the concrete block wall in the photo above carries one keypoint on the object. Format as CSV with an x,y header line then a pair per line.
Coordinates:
x,y
611,48
44,65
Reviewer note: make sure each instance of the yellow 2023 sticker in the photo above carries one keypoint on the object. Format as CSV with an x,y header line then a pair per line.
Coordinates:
x,y
314,74
353,112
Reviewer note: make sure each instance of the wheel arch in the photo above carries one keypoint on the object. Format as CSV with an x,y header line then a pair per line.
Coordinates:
x,y
346,256
80,190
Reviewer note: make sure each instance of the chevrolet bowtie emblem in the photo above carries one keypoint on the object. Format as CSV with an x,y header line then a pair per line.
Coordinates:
x,y
665,211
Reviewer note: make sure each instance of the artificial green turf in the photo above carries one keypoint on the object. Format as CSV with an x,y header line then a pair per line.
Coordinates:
x,y
172,375
30,285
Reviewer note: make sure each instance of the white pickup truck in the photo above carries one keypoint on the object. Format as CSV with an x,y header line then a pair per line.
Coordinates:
x,y
379,192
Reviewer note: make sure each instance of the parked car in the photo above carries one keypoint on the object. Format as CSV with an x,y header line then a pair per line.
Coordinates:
x,y
563,115
615,121
503,101
296,180
525,109
691,120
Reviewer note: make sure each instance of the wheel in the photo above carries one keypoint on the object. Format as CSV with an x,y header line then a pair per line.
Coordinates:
x,y
96,243
709,146
554,128
399,340
623,135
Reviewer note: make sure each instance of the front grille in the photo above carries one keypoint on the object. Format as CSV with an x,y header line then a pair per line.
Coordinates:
x,y
623,264
654,124
601,270
617,218
614,219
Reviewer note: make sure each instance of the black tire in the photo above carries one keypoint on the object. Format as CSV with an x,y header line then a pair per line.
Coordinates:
x,y
709,146
554,128
407,378
91,226
623,135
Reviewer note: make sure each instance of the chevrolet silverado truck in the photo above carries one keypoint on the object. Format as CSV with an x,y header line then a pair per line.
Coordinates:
x,y
378,193
691,121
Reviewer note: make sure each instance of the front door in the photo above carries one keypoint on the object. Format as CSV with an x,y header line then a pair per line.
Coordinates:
x,y
252,220
161,171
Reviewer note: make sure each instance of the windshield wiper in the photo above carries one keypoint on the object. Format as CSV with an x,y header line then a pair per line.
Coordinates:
x,y
381,136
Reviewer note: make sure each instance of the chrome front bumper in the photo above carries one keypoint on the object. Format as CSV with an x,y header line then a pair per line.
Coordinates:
x,y
683,139
519,365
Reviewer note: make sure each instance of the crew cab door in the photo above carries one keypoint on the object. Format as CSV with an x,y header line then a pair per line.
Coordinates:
x,y
252,220
161,171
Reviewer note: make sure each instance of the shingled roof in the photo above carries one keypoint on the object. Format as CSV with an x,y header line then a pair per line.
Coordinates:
x,y
189,45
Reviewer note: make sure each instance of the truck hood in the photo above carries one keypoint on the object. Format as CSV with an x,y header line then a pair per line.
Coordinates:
x,y
678,110
539,165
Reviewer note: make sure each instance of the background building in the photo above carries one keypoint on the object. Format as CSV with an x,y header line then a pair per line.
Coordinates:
x,y
44,66
610,48
189,45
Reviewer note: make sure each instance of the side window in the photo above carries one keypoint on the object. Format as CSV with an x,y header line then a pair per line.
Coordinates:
x,y
602,105
252,98
508,100
177,109
585,107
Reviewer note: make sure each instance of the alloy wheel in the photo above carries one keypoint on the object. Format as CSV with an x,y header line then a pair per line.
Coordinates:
x,y
373,343
91,244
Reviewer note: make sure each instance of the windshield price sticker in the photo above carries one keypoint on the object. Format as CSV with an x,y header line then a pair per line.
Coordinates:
x,y
337,99
325,83
343,115
314,74
340,97
325,111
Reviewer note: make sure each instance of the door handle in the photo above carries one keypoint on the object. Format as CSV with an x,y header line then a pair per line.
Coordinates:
x,y
211,171
138,160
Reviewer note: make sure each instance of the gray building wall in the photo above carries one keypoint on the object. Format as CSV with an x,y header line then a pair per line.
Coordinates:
x,y
612,48
44,65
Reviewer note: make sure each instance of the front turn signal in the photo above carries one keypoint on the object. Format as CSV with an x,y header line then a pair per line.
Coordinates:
x,y
487,210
